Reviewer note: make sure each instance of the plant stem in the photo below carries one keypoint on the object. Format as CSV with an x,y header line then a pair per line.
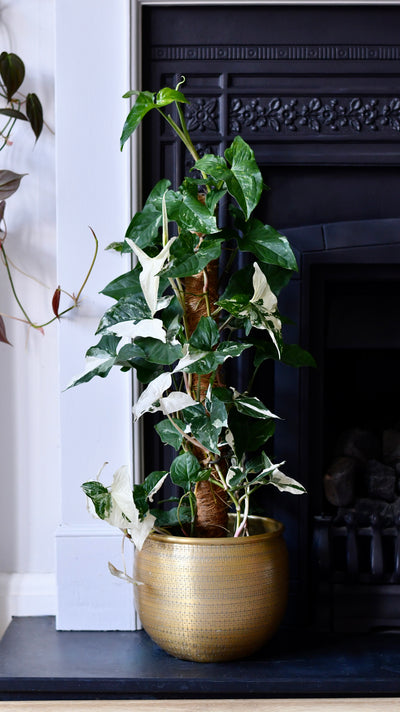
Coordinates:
x,y
65,311
96,249
187,437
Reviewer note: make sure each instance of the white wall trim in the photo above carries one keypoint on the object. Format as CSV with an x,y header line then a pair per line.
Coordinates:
x,y
28,594
93,188
89,597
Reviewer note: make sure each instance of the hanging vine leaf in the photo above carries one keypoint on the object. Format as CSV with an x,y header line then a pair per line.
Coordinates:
x,y
9,183
12,71
3,335
55,302
13,114
34,113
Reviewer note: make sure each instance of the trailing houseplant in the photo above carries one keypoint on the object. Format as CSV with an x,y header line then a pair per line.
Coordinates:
x,y
27,108
175,325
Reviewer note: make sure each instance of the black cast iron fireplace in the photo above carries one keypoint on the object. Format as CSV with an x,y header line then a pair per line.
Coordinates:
x,y
315,91
347,440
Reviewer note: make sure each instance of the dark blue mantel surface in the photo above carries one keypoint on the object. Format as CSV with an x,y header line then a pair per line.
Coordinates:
x,y
38,662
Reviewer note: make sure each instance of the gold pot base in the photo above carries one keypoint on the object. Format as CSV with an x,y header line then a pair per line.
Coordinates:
x,y
212,600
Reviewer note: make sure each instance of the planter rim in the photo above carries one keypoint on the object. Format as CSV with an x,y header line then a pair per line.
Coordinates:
x,y
276,531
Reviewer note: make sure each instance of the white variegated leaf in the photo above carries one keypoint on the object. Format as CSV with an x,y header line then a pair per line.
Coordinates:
x,y
95,364
141,530
156,487
151,395
123,507
145,327
262,291
285,483
151,266
189,358
177,400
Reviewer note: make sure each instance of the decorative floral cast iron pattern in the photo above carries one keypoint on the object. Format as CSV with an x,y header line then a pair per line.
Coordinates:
x,y
202,115
315,114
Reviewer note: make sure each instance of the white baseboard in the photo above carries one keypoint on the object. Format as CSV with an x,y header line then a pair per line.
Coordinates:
x,y
27,594
89,597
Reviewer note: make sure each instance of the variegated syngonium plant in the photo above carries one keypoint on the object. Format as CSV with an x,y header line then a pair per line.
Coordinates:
x,y
173,326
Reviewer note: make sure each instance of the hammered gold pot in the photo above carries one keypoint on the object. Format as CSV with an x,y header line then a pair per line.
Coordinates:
x,y
211,600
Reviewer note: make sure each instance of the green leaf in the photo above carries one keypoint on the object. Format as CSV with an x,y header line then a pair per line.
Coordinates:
x,y
213,197
185,470
223,394
132,308
190,214
206,334
267,244
143,104
34,113
124,285
12,71
265,349
122,247
236,477
243,180
203,427
247,173
167,96
9,183
156,351
140,499
145,101
239,291
294,355
172,517
168,434
210,362
144,226
143,493
13,114
186,261
249,433
217,411
145,370
100,497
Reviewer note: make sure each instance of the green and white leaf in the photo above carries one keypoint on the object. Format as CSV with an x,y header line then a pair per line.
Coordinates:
x,y
99,360
132,308
188,259
252,406
149,276
169,434
152,400
144,226
153,328
243,179
285,483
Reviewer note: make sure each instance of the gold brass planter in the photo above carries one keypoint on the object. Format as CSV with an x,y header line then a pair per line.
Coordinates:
x,y
216,599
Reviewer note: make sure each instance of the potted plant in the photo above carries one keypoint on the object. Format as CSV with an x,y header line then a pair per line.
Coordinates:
x,y
174,324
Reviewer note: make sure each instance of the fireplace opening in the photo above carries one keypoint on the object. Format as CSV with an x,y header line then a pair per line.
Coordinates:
x,y
355,442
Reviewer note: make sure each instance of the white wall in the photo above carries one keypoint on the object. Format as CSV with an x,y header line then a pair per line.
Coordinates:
x,y
51,441
29,401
